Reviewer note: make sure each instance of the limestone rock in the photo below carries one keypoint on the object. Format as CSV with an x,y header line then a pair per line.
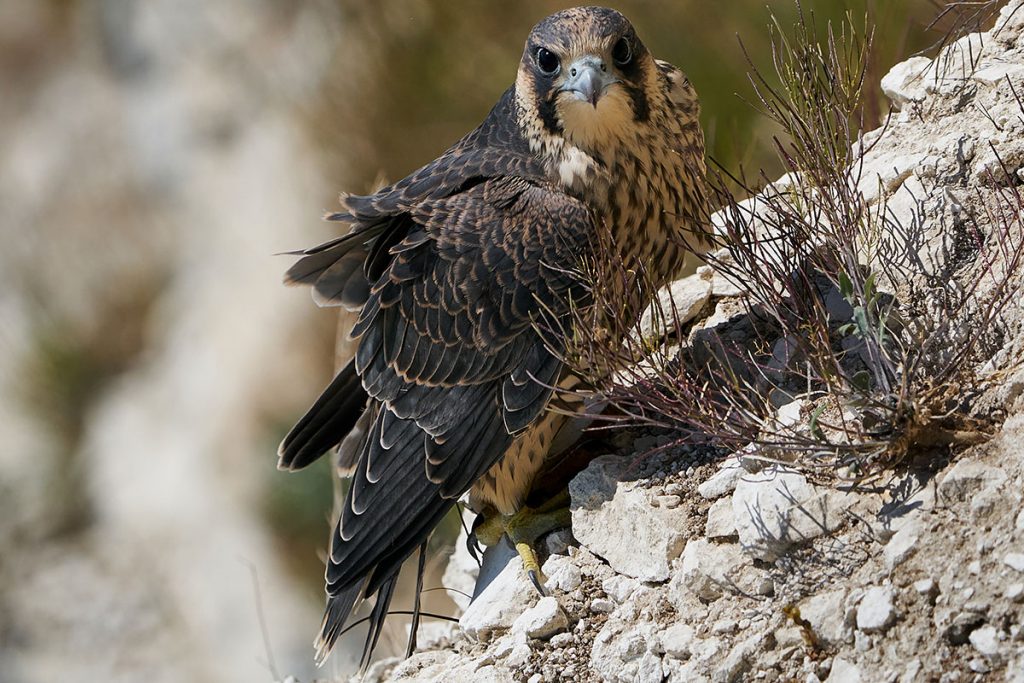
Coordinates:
x,y
617,521
677,641
721,522
503,599
876,612
777,509
619,588
986,641
543,620
722,482
562,574
967,479
902,545
708,570
677,303
826,614
623,653
904,83
844,671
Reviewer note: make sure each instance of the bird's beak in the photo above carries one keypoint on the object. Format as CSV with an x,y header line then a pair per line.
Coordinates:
x,y
587,79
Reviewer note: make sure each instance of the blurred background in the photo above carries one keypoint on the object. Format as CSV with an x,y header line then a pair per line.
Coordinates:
x,y
155,155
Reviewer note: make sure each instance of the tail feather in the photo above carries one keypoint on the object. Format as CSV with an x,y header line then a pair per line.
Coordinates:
x,y
326,423
338,608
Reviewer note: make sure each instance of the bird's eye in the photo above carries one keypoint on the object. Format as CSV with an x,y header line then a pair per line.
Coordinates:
x,y
547,61
622,52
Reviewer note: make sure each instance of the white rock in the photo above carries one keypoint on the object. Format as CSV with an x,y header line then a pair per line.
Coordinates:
x,y
677,640
677,303
926,587
826,614
561,640
616,521
1019,523
502,600
621,653
986,641
709,570
738,661
905,83
619,588
721,522
720,285
844,672
902,545
543,620
723,481
789,414
876,612
602,605
1014,592
562,574
1014,561
967,479
995,73
777,508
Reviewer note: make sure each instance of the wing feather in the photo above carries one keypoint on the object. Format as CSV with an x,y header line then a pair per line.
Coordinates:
x,y
450,353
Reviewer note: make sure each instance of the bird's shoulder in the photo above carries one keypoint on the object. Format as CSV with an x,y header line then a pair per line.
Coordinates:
x,y
495,148
678,88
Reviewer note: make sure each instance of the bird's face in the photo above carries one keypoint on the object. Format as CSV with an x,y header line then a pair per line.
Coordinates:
x,y
586,76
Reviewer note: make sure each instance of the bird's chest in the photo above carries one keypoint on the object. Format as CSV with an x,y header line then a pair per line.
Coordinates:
x,y
636,192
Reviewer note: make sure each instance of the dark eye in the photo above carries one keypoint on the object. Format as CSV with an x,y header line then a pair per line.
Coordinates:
x,y
547,61
622,53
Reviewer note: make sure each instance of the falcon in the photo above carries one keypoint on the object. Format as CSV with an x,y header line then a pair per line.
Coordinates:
x,y
465,276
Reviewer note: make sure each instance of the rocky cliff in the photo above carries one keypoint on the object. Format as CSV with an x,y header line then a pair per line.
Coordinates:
x,y
686,566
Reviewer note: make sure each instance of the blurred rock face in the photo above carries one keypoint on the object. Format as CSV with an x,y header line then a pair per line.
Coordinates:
x,y
152,161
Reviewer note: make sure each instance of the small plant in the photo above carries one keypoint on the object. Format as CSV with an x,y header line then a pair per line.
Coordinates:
x,y
849,317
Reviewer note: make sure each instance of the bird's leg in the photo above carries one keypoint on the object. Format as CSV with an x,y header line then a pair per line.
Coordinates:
x,y
524,527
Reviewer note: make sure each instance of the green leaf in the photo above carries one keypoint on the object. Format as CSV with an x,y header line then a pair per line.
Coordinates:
x,y
845,286
869,289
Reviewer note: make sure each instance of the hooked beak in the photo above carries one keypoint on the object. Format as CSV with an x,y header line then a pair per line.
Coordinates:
x,y
587,79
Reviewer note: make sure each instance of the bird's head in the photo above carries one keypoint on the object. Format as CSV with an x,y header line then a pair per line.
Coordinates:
x,y
586,76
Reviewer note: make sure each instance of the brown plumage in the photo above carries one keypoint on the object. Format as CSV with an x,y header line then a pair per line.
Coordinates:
x,y
457,268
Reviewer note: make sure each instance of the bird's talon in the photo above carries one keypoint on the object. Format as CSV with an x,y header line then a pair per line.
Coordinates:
x,y
535,579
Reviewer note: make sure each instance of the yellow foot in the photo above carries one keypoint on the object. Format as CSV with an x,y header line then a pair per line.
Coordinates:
x,y
524,527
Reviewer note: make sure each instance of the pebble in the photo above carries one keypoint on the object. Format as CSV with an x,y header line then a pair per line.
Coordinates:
x,y
602,605
543,620
978,665
561,639
669,502
1019,524
722,482
974,567
1015,561
677,641
876,612
619,587
721,521
844,671
986,641
724,626
902,545
926,587
1014,592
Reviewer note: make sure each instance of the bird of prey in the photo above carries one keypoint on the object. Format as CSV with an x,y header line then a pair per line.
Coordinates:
x,y
464,276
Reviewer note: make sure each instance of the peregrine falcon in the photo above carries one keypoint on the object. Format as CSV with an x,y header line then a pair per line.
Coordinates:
x,y
463,272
